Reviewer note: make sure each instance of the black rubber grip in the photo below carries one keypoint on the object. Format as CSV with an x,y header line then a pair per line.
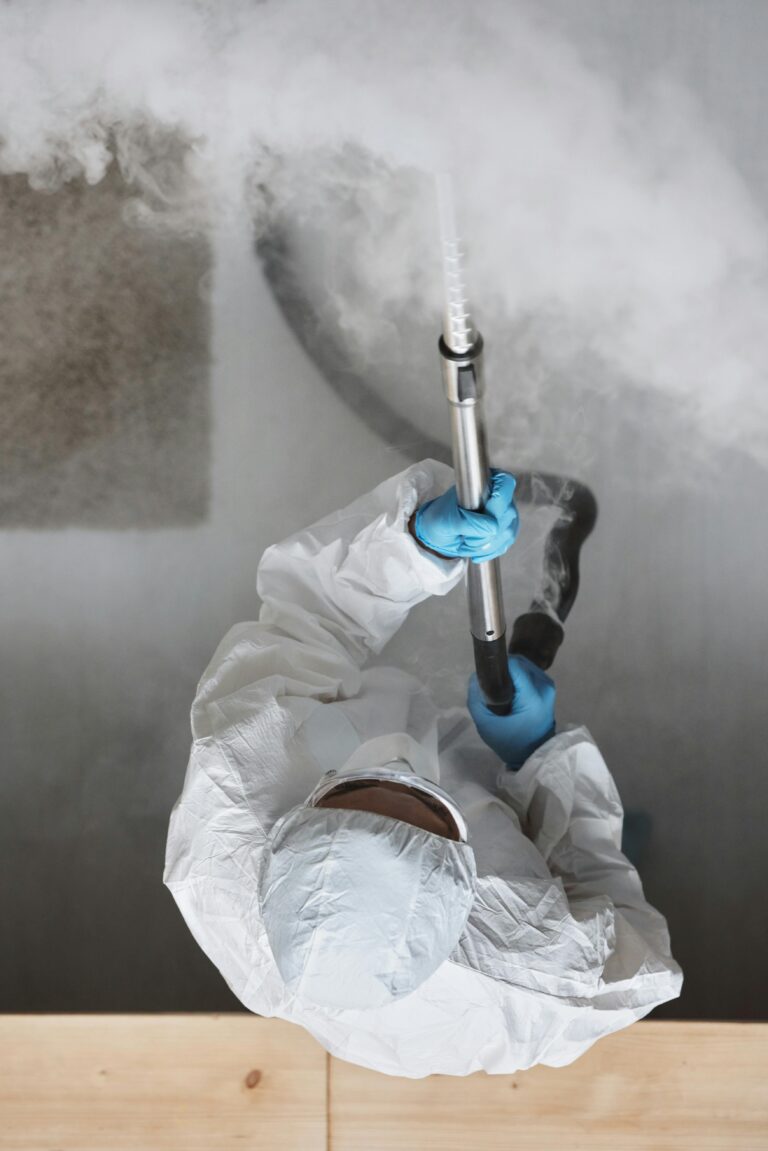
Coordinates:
x,y
492,666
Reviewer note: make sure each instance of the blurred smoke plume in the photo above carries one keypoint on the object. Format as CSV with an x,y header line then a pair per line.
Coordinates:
x,y
605,227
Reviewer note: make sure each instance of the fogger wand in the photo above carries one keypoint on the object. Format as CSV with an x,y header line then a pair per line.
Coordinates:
x,y
461,356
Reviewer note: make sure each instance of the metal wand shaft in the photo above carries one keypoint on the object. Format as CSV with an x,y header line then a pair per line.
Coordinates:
x,y
461,352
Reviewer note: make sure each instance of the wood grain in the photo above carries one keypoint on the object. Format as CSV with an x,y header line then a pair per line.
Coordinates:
x,y
188,1082
660,1086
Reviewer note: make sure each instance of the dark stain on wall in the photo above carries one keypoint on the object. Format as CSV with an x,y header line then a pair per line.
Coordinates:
x,y
104,362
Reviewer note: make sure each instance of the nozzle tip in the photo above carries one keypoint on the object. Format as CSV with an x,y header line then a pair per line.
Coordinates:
x,y
458,330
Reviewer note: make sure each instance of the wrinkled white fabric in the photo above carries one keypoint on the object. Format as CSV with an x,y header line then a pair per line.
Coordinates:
x,y
397,748
560,946
360,909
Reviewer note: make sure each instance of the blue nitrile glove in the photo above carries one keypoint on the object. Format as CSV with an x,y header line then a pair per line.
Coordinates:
x,y
532,720
444,527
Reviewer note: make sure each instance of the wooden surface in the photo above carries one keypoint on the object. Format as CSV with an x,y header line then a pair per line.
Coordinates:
x,y
187,1082
78,1083
665,1086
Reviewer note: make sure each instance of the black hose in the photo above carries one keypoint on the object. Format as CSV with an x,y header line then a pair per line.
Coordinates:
x,y
539,632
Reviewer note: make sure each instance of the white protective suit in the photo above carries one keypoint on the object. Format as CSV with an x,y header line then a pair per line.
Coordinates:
x,y
560,946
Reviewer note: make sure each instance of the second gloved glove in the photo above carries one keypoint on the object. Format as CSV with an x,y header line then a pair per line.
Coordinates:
x,y
445,527
532,721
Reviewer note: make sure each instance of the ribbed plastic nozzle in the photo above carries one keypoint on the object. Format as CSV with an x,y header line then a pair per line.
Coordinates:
x,y
458,330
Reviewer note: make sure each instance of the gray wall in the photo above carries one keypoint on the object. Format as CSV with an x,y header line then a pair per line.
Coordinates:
x,y
161,425
106,630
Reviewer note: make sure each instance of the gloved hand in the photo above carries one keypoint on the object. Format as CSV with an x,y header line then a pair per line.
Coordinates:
x,y
532,720
444,527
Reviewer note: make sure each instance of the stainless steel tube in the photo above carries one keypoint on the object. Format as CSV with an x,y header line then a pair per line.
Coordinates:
x,y
461,355
463,383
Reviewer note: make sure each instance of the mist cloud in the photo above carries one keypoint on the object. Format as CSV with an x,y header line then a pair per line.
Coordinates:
x,y
597,221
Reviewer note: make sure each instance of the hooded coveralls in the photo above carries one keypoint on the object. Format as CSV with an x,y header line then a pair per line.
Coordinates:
x,y
560,947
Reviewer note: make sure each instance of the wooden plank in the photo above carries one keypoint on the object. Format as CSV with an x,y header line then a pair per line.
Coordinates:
x,y
188,1082
92,1083
661,1086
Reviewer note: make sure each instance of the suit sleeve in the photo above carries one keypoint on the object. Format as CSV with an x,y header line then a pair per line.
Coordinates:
x,y
332,595
569,805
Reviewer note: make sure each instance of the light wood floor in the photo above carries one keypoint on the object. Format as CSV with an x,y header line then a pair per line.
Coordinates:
x,y
189,1082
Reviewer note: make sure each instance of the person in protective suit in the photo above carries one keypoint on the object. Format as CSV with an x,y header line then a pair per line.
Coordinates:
x,y
424,891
